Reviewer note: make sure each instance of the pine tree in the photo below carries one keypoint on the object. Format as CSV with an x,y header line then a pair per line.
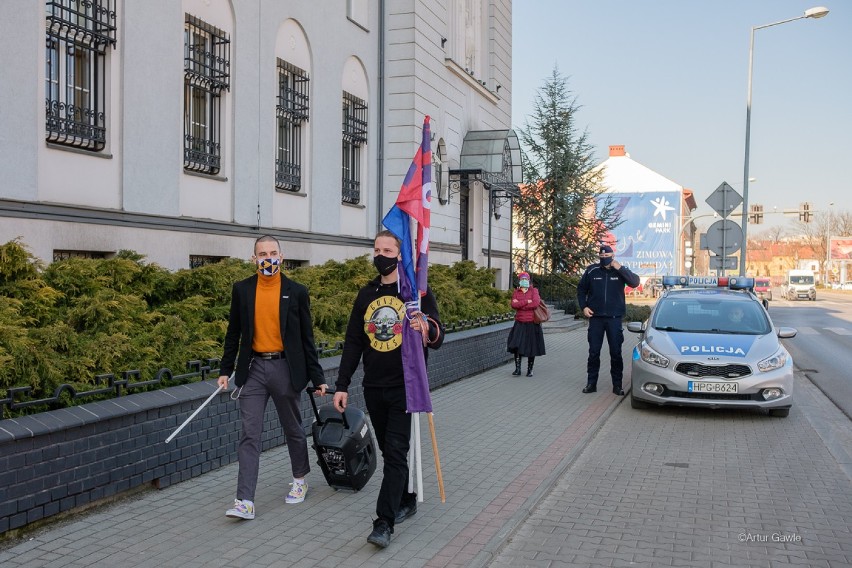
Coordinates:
x,y
559,210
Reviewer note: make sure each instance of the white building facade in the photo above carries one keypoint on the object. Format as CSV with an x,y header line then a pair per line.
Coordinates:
x,y
185,129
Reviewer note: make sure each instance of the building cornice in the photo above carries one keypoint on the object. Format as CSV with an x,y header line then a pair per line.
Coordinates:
x,y
95,216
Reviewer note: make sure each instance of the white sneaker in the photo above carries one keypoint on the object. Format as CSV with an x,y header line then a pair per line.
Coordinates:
x,y
243,509
297,493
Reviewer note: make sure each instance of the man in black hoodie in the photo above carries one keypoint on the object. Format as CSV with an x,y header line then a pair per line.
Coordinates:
x,y
375,333
601,297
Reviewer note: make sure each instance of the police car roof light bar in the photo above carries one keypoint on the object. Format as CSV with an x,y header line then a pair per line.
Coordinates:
x,y
741,283
732,282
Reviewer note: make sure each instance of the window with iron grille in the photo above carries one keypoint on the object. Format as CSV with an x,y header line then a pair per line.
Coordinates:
x,y
354,137
206,72
197,260
291,111
78,35
90,254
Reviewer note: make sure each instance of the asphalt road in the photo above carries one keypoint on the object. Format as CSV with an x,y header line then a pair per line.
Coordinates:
x,y
822,349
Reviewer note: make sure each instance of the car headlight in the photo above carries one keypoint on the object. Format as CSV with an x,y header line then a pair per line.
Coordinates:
x,y
650,356
776,361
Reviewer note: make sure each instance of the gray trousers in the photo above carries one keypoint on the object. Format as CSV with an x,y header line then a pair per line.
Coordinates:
x,y
268,379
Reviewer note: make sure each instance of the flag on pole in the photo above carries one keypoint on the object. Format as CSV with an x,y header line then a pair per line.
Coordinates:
x,y
413,205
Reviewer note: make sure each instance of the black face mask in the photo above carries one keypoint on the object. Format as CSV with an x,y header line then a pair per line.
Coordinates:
x,y
384,264
606,261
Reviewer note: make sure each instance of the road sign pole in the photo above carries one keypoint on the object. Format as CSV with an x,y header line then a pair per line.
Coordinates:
x,y
721,270
724,199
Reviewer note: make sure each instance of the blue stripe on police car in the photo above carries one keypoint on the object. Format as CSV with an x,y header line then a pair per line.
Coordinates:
x,y
712,344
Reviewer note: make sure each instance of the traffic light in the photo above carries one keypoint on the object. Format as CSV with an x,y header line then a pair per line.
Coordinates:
x,y
755,214
805,212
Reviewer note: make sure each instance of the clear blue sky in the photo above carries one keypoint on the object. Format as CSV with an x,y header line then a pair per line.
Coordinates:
x,y
668,79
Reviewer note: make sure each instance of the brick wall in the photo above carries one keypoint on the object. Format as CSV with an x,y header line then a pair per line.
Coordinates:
x,y
60,460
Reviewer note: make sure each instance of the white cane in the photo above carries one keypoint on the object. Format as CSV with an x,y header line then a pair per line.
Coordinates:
x,y
199,409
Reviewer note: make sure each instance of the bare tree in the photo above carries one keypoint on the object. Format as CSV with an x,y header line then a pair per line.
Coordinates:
x,y
818,232
774,234
841,224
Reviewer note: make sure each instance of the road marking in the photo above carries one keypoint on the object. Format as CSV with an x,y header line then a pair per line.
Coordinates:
x,y
807,331
839,330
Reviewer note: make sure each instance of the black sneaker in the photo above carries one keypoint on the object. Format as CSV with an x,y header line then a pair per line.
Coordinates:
x,y
405,511
618,391
381,533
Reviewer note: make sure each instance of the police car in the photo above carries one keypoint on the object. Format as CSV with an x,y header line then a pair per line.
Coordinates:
x,y
709,342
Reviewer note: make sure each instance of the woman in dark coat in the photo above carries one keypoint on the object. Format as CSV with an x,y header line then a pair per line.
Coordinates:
x,y
526,339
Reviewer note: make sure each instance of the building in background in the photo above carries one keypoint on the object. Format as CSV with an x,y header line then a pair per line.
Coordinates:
x,y
774,260
185,129
656,235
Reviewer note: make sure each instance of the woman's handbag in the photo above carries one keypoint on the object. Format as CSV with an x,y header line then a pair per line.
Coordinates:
x,y
541,313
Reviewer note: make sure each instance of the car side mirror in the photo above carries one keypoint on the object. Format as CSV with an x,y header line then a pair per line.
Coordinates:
x,y
787,332
636,326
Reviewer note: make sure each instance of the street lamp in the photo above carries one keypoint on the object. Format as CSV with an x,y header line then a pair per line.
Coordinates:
x,y
817,12
828,243
685,222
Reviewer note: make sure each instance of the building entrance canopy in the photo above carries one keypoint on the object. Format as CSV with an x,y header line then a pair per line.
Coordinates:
x,y
492,157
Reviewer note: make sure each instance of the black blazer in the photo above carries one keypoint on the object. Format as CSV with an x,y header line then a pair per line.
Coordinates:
x,y
296,330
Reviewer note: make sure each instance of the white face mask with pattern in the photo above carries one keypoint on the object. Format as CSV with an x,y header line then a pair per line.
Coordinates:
x,y
269,266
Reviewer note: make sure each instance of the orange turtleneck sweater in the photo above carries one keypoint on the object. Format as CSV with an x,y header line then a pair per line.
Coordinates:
x,y
267,326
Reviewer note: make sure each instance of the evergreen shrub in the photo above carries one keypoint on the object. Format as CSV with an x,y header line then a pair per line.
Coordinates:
x,y
78,319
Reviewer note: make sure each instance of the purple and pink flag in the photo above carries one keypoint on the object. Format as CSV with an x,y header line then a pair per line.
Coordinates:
x,y
413,205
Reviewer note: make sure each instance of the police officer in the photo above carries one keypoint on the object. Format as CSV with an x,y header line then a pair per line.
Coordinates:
x,y
601,297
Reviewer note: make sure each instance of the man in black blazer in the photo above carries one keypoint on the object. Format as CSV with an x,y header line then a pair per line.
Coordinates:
x,y
270,327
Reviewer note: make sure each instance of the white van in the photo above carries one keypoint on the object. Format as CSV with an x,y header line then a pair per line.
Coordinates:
x,y
800,284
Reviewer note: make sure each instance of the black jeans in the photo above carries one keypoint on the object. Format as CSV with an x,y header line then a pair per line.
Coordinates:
x,y
611,327
393,432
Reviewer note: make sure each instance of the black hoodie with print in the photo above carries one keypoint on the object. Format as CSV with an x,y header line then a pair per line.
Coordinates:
x,y
374,332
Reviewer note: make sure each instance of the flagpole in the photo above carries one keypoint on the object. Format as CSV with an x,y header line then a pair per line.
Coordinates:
x,y
411,488
418,453
412,209
437,459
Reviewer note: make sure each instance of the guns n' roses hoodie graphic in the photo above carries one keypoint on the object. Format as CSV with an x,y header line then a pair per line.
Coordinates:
x,y
375,332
